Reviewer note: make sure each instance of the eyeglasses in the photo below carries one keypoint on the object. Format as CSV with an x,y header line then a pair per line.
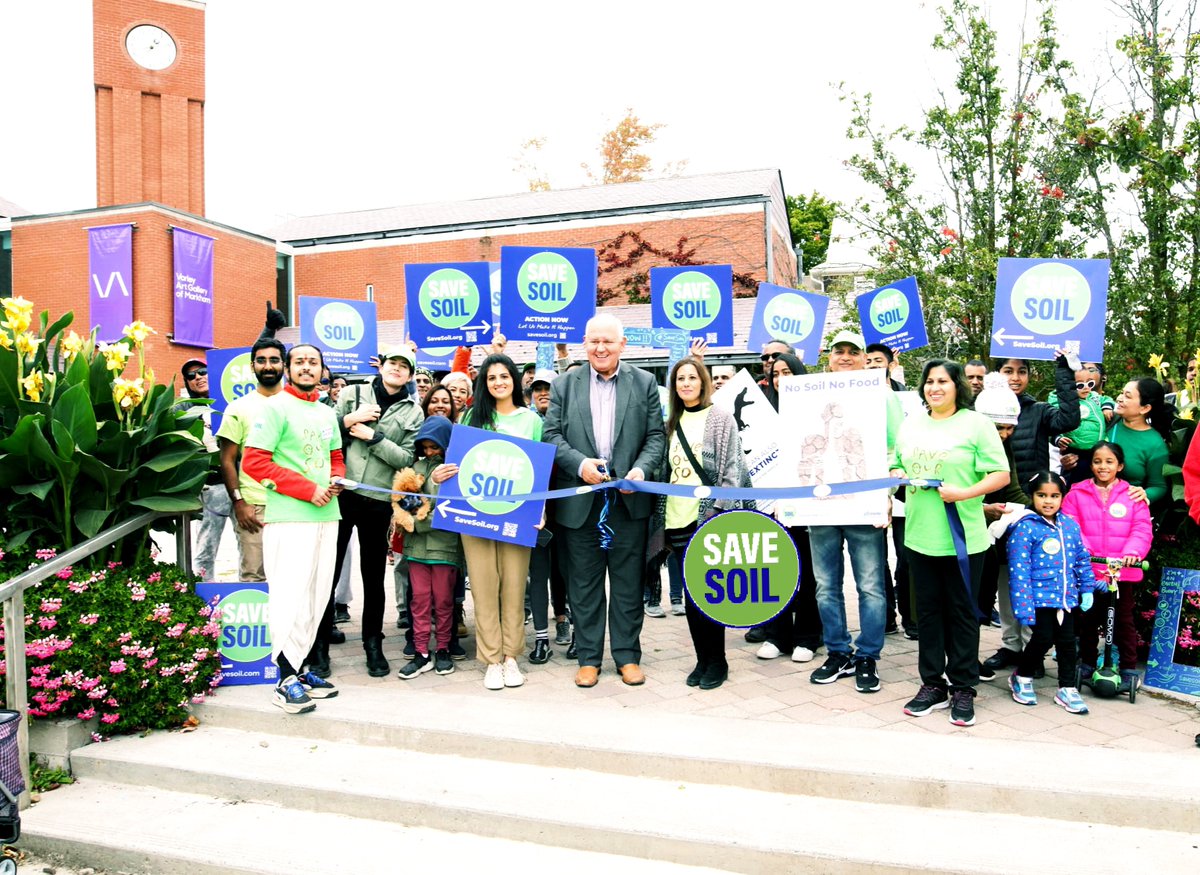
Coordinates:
x,y
1090,384
769,357
199,372
260,360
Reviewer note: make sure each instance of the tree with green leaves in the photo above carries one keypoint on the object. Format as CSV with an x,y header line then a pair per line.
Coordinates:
x,y
810,220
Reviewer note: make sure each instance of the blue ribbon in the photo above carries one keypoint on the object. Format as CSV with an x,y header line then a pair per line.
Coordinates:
x,y
959,536
606,531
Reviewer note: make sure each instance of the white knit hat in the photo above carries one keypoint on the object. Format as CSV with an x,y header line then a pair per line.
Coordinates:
x,y
998,402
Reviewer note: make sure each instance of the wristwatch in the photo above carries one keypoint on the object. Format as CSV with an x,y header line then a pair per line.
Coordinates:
x,y
237,495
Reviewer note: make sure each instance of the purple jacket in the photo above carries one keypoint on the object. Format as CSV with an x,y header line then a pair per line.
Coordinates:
x,y
1048,565
1120,528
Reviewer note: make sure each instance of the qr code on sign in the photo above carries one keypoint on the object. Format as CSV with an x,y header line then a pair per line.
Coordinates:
x,y
1071,346
472,336
271,672
711,337
510,530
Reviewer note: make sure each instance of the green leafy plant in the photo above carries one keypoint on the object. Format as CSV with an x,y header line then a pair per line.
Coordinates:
x,y
81,446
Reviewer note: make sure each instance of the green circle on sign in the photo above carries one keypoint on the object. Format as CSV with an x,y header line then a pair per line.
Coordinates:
x,y
789,317
741,568
338,326
1051,298
492,469
449,298
237,379
244,622
547,282
691,300
889,311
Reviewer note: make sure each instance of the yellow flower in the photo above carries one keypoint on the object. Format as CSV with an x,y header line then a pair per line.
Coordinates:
x,y
5,340
128,393
33,386
18,313
115,355
1188,414
27,344
138,331
1156,363
72,345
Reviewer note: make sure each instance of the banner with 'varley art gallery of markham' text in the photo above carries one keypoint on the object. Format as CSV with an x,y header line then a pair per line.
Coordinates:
x,y
193,272
110,265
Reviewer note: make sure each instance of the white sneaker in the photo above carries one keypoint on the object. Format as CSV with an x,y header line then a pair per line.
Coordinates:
x,y
767,651
493,678
802,654
512,675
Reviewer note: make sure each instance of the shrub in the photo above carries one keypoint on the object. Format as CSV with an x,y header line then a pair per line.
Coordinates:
x,y
133,647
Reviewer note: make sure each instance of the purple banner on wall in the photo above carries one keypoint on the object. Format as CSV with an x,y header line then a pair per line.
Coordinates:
x,y
193,288
110,300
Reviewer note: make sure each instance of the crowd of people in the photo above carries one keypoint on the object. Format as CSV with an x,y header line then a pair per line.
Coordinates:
x,y
1029,493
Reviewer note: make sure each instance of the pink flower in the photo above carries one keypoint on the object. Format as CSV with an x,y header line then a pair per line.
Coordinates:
x,y
181,586
77,586
198,699
116,667
110,718
97,737
150,663
162,613
50,606
87,714
123,637
112,565
176,630
47,622
89,619
155,577
65,574
45,553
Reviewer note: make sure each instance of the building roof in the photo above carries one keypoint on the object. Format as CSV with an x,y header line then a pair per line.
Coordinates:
x,y
631,316
8,209
682,192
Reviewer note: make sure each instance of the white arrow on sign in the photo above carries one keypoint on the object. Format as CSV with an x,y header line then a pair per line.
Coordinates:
x,y
1000,335
482,326
446,507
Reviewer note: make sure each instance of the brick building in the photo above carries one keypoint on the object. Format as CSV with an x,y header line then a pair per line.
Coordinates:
x,y
149,58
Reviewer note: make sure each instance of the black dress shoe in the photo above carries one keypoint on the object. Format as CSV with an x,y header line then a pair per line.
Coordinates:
x,y
377,664
1002,658
541,652
757,635
693,680
337,636
318,659
714,676
572,651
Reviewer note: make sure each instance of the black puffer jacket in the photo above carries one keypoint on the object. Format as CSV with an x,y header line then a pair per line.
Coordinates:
x,y
1039,422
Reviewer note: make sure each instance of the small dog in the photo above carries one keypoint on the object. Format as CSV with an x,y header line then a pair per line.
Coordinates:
x,y
408,480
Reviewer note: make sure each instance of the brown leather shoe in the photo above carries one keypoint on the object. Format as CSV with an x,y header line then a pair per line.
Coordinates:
x,y
631,673
587,676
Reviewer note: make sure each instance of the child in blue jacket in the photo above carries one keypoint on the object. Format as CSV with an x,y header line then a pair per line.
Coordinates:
x,y
1049,574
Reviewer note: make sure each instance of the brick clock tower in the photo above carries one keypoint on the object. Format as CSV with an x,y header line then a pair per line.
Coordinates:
x,y
149,72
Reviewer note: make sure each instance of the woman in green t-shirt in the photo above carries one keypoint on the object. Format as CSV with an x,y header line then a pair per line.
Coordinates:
x,y
959,447
498,569
1142,430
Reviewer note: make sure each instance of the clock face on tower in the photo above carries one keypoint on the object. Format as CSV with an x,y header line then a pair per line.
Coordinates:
x,y
151,47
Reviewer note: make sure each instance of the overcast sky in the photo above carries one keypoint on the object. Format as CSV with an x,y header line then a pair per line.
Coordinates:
x,y
316,107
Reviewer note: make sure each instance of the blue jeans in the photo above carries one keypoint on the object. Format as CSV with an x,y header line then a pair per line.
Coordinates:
x,y
217,508
868,559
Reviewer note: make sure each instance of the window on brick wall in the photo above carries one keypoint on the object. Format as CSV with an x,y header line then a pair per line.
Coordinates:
x,y
6,286
283,285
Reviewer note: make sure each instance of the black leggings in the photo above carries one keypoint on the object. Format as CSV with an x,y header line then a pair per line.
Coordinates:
x,y
1046,632
949,641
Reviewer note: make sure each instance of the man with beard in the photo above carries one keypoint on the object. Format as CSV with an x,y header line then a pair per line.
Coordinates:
x,y
294,451
247,494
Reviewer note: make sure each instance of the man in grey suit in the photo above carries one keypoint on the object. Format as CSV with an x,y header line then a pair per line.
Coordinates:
x,y
605,421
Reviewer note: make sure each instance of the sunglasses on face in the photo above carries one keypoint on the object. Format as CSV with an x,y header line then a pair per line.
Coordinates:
x,y
1090,384
768,357
199,372
325,382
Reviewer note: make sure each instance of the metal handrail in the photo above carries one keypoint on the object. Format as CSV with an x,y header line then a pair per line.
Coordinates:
x,y
12,593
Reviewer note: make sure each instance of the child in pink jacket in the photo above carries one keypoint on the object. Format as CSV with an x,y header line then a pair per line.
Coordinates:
x,y
1113,524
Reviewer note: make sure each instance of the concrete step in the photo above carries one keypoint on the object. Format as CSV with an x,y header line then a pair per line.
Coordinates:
x,y
675,821
948,773
122,828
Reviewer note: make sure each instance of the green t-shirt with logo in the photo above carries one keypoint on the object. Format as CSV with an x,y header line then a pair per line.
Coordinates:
x,y
521,423
299,435
959,451
237,420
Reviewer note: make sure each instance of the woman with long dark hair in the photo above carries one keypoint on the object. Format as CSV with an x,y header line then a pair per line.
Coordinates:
x,y
960,448
498,569
703,449
1143,429
439,401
